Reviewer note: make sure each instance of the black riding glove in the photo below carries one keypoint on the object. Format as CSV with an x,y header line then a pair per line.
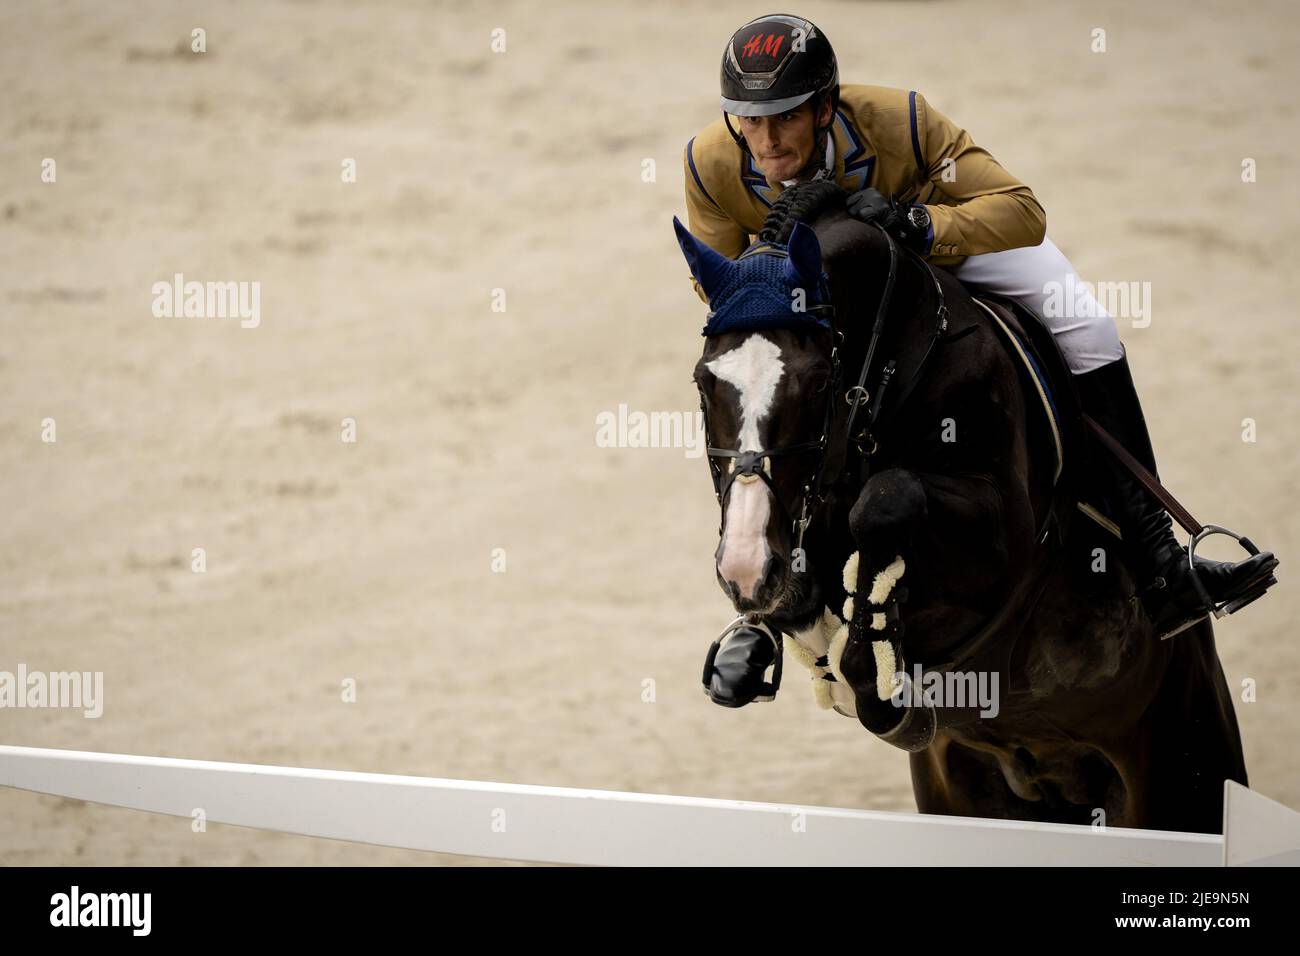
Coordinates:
x,y
871,205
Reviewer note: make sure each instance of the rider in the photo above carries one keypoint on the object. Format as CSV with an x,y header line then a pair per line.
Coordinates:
x,y
913,171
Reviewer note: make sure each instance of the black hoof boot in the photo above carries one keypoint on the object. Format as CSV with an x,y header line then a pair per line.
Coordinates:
x,y
737,662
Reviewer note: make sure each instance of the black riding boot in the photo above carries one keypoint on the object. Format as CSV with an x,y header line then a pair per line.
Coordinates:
x,y
1157,560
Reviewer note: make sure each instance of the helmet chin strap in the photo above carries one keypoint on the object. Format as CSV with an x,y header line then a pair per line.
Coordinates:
x,y
735,134
817,162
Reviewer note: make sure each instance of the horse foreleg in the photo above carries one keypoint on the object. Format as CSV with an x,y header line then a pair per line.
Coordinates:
x,y
952,526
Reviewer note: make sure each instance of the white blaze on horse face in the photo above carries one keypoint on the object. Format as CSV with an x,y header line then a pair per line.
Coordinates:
x,y
754,368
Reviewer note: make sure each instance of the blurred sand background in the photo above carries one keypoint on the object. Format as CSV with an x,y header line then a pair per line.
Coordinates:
x,y
522,171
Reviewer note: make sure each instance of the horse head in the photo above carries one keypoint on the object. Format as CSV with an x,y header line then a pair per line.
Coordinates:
x,y
766,381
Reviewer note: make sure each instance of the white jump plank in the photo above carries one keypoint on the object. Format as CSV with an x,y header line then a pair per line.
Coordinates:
x,y
562,825
1258,831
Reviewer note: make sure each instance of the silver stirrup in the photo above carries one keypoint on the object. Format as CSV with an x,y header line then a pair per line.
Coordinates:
x,y
1235,604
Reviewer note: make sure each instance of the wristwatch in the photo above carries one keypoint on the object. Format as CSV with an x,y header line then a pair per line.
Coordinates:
x,y
918,223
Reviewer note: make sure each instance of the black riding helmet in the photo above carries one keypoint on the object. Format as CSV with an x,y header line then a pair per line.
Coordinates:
x,y
775,64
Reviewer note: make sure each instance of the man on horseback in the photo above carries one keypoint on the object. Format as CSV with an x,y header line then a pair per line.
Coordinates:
x,y
915,173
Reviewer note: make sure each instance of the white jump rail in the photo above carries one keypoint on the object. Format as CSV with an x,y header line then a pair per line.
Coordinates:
x,y
603,827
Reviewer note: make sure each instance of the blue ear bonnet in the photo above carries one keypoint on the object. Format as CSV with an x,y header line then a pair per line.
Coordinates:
x,y
760,294
758,290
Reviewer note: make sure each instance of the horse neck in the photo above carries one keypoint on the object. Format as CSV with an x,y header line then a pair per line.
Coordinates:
x,y
860,269
909,324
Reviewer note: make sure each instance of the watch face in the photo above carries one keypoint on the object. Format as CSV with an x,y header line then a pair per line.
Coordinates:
x,y
918,217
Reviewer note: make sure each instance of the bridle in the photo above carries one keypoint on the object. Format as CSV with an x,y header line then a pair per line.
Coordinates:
x,y
758,462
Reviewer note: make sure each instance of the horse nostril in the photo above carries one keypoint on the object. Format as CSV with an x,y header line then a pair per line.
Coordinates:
x,y
772,577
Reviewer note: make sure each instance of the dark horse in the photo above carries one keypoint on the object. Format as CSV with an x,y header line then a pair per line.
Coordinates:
x,y
945,533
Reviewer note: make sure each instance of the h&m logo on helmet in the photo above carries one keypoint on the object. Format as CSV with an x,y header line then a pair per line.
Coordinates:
x,y
763,44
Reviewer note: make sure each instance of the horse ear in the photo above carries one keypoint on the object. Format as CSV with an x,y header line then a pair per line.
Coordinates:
x,y
804,267
708,266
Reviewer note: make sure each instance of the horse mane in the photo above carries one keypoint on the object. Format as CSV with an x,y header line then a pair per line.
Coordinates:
x,y
800,203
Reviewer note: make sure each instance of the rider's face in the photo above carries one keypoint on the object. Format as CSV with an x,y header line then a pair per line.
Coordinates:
x,y
783,144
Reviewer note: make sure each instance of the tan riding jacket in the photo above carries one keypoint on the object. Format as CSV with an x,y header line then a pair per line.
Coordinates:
x,y
893,141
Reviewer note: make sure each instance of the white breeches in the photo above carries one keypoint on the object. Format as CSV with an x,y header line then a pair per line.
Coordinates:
x,y
1085,334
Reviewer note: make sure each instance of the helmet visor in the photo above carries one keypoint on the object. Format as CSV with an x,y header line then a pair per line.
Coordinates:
x,y
764,107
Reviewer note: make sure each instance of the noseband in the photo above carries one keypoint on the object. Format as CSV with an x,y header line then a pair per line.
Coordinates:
x,y
758,463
